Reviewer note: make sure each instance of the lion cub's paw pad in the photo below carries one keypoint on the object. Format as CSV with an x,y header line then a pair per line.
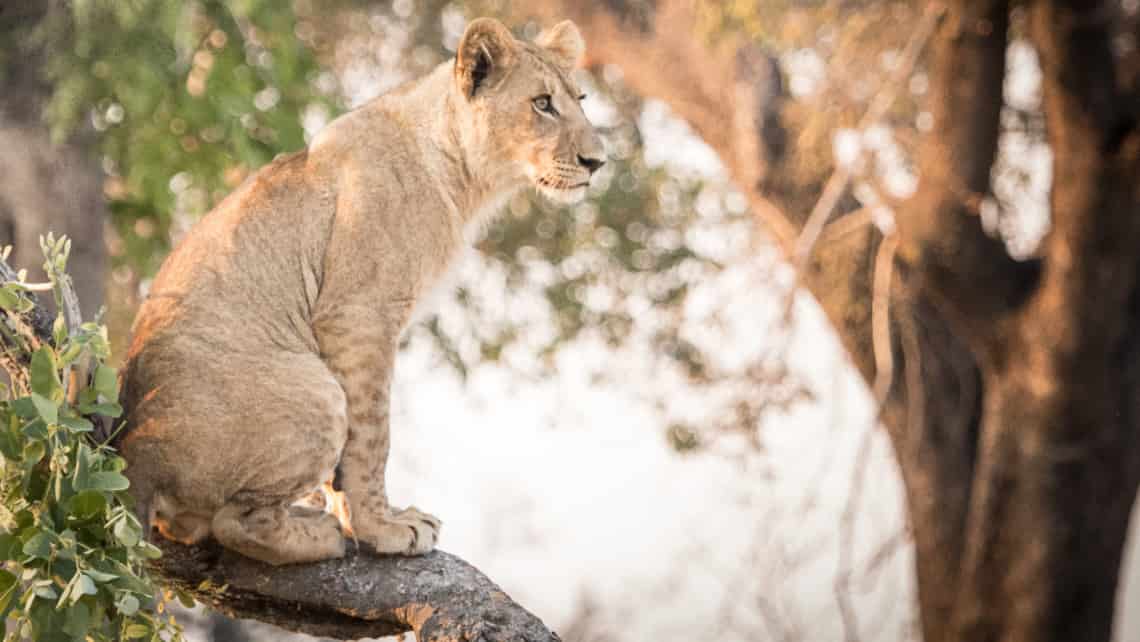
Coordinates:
x,y
403,532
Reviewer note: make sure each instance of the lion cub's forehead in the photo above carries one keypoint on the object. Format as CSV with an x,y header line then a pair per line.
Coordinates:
x,y
543,65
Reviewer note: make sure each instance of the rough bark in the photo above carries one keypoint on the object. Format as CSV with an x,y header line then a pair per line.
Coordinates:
x,y
438,596
1013,408
1058,462
943,306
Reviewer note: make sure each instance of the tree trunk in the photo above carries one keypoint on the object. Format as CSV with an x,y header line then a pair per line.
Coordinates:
x,y
1058,461
45,186
52,188
1012,406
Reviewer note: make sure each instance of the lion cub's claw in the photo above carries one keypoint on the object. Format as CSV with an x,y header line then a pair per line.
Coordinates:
x,y
401,532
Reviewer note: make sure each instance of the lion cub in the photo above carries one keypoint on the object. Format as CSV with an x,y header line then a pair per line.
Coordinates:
x,y
261,361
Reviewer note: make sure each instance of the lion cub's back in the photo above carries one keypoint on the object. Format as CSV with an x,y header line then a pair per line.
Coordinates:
x,y
239,287
257,258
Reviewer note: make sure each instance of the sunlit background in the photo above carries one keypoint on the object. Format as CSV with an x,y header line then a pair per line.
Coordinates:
x,y
620,409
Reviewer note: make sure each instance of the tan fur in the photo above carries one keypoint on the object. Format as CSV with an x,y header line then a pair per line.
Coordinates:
x,y
262,359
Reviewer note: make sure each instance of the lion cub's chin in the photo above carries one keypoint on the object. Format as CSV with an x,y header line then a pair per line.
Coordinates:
x,y
568,196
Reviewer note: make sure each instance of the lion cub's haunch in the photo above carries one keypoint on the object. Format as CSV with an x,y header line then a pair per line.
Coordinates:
x,y
262,359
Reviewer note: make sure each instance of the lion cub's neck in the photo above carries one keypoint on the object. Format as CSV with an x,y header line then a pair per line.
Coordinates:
x,y
474,185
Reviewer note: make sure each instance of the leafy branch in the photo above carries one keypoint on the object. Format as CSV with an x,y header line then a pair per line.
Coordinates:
x,y
73,552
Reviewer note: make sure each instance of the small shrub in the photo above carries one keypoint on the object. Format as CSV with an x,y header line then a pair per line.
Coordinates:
x,y
74,559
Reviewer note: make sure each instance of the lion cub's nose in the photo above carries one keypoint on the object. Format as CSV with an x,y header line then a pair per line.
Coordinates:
x,y
592,164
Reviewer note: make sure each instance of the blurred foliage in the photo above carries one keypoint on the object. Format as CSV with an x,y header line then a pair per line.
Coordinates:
x,y
186,98
73,553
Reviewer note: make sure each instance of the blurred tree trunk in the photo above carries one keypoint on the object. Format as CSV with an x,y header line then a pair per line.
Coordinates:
x,y
45,186
1013,405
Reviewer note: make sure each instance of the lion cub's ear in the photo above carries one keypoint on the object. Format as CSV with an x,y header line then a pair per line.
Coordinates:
x,y
565,43
486,50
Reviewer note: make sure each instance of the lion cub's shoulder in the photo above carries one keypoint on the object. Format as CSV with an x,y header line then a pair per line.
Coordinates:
x,y
372,130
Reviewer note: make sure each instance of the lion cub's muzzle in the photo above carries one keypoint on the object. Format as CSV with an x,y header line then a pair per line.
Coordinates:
x,y
591,163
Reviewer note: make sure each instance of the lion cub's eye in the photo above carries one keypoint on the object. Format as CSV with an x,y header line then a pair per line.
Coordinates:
x,y
582,97
542,103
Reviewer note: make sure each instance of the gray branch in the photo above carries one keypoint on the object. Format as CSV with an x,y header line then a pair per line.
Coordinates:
x,y
438,596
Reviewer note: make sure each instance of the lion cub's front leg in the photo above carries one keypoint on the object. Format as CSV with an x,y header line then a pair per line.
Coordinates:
x,y
361,354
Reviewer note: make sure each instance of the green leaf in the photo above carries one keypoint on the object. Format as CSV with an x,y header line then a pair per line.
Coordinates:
x,y
106,409
44,589
87,397
37,480
101,577
10,548
107,381
24,519
135,631
42,616
77,621
107,480
85,586
63,567
44,375
33,452
8,585
71,352
23,407
87,504
47,409
127,604
10,446
149,551
83,460
130,582
127,533
59,329
65,547
76,424
9,300
38,546
185,599
36,429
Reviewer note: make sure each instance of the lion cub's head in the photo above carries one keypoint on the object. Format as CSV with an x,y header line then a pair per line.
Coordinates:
x,y
522,107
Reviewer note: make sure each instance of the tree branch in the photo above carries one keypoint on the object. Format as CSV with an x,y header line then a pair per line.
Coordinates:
x,y
438,596
841,177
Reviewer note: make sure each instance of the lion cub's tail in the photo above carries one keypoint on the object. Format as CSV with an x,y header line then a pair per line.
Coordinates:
x,y
143,492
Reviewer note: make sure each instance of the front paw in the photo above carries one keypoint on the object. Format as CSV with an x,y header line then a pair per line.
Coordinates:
x,y
403,532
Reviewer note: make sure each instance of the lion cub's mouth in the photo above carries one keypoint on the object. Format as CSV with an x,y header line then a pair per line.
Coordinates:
x,y
563,194
559,189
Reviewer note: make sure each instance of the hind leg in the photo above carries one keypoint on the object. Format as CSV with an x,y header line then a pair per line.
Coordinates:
x,y
279,534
